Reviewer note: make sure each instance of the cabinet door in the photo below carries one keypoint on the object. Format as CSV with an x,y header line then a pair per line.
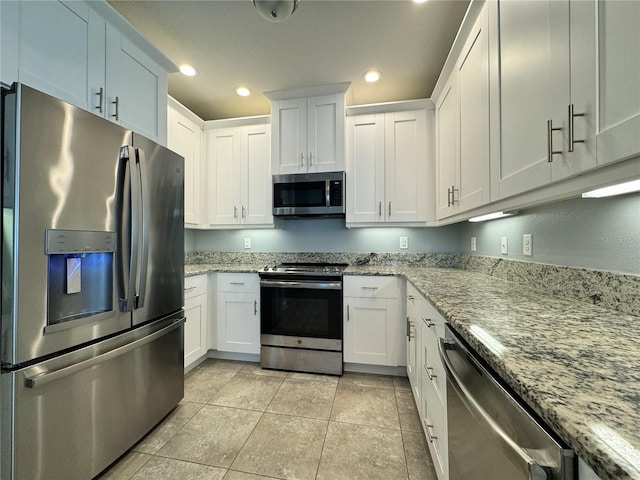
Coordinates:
x,y
434,424
289,130
223,176
534,79
132,87
325,133
54,48
473,80
370,334
185,138
256,175
195,333
406,166
447,146
414,350
238,322
618,80
365,166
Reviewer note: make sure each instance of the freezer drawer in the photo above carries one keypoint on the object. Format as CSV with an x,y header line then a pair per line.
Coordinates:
x,y
77,417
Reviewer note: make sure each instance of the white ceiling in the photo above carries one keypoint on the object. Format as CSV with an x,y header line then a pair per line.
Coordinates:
x,y
323,42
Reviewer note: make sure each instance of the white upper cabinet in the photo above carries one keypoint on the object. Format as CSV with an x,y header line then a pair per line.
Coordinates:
x,y
618,44
86,54
463,122
547,67
238,176
308,130
184,136
308,135
387,168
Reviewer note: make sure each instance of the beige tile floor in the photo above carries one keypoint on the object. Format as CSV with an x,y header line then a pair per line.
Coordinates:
x,y
239,422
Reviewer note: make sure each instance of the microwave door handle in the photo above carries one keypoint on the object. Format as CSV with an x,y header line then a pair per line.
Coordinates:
x,y
531,468
327,193
126,191
145,204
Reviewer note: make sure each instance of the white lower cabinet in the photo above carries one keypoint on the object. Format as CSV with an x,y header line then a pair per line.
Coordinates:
x,y
238,313
425,326
196,325
373,324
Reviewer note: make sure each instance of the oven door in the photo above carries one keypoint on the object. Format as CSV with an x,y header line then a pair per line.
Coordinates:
x,y
301,313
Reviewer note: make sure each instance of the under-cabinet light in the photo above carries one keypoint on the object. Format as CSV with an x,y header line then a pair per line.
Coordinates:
x,y
619,189
491,216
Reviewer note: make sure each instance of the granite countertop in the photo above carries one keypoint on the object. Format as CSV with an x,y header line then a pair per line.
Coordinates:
x,y
577,365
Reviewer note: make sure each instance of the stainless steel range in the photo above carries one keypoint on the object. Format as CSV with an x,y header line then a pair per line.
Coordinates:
x,y
301,317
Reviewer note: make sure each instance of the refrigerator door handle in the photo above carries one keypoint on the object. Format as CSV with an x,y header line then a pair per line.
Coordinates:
x,y
43,378
143,247
128,191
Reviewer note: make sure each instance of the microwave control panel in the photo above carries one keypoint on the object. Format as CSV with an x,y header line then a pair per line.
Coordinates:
x,y
335,193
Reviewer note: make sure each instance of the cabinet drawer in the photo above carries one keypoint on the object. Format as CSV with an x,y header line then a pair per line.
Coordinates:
x,y
238,282
194,286
371,286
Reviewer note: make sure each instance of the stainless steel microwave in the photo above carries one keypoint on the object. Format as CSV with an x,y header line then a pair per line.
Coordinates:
x,y
309,195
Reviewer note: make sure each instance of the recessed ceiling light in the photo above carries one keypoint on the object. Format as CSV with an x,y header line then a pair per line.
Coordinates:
x,y
243,91
419,1
372,76
188,70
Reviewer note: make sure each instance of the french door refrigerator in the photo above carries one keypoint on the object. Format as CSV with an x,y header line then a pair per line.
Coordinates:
x,y
92,288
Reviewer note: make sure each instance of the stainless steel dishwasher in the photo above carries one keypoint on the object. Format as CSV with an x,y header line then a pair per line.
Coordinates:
x,y
491,435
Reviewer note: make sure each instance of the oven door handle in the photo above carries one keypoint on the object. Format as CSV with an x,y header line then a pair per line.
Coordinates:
x,y
307,284
532,469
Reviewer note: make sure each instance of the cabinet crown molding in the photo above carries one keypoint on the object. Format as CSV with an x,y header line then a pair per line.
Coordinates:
x,y
316,91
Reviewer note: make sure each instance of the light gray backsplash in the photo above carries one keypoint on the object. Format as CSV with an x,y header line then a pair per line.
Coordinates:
x,y
600,234
330,235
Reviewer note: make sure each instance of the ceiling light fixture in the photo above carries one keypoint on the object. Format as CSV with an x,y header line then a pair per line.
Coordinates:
x,y
491,216
371,76
188,70
619,189
276,10
243,91
419,1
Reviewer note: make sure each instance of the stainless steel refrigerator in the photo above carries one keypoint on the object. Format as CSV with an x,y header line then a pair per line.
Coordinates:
x,y
92,288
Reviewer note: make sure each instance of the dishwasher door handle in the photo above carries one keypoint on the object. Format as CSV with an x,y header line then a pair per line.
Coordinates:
x,y
533,470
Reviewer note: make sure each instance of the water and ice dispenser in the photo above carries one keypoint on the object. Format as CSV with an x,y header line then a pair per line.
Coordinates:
x,y
80,274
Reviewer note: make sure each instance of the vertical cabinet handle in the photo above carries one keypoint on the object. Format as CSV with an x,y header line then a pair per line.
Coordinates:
x,y
116,102
310,158
431,437
302,159
550,151
348,316
389,209
255,308
448,197
243,213
430,373
235,212
379,209
572,116
100,94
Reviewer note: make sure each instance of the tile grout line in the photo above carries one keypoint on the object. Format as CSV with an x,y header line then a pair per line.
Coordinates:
x,y
326,432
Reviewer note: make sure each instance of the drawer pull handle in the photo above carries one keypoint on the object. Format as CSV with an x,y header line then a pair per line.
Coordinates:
x,y
430,373
188,289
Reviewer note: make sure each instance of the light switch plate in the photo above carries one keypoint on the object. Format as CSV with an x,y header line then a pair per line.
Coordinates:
x,y
247,242
404,242
473,244
503,246
527,245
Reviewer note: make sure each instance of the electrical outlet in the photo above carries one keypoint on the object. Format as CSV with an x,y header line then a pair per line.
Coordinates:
x,y
473,244
527,245
503,246
247,242
404,242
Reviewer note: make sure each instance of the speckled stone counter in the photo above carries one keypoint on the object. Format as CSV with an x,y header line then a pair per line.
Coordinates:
x,y
577,365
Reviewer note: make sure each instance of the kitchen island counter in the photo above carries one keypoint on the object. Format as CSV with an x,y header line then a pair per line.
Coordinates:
x,y
575,364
